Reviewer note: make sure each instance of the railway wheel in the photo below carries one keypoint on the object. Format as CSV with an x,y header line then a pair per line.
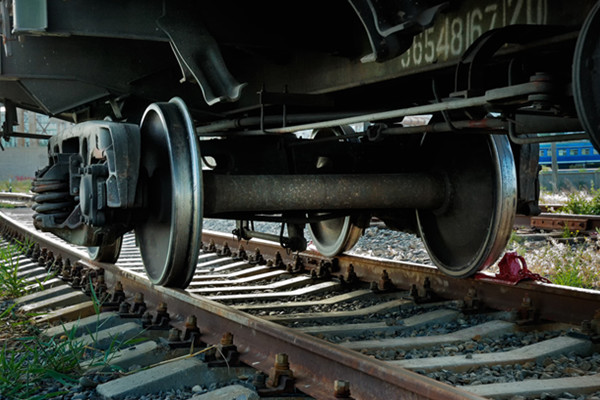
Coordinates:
x,y
586,75
170,234
109,253
470,231
333,236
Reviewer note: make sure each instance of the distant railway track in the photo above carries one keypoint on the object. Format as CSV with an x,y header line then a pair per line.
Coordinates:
x,y
341,330
546,221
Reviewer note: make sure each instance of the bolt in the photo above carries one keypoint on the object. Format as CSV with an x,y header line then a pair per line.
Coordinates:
x,y
100,286
227,339
351,276
595,323
282,368
279,260
341,389
42,257
118,294
36,252
241,253
147,319
190,322
212,248
258,257
124,308
174,335
139,298
282,362
260,380
66,269
49,261
58,264
385,283
225,251
191,329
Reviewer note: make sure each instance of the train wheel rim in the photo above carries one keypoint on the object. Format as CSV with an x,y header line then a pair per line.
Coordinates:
x,y
107,253
586,75
170,234
470,231
334,236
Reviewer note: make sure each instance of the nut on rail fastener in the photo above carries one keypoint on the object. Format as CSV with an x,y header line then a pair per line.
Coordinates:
x,y
225,251
115,299
137,310
192,332
385,284
428,294
297,267
241,253
591,328
526,313
472,304
341,389
257,258
161,321
225,353
282,379
211,248
191,336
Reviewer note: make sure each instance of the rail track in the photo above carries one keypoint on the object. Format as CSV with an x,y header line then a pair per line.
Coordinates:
x,y
380,328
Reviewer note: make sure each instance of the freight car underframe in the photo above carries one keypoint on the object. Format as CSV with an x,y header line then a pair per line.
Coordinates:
x,y
107,178
454,181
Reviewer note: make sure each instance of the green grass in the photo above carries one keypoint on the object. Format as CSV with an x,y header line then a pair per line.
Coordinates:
x,y
28,360
11,285
572,268
15,186
581,203
567,264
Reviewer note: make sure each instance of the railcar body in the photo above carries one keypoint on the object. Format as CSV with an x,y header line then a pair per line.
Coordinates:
x,y
145,80
578,154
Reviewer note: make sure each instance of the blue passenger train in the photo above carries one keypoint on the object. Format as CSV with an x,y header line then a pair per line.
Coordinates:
x,y
579,154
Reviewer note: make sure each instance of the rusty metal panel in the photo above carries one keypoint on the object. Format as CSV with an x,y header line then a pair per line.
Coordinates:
x,y
559,222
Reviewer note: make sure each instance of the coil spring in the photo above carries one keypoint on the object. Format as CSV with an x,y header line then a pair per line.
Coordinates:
x,y
53,199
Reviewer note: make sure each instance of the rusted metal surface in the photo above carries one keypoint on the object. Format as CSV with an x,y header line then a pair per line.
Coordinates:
x,y
570,221
255,193
551,302
316,364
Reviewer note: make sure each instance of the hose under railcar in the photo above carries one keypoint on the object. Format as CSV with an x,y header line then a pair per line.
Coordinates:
x,y
156,89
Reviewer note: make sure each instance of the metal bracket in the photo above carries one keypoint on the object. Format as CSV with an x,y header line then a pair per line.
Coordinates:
x,y
199,57
391,25
470,71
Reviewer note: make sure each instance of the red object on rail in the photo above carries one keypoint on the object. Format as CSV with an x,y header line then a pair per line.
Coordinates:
x,y
513,269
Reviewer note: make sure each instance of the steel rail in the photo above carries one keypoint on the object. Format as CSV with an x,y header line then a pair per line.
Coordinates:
x,y
315,363
10,196
552,302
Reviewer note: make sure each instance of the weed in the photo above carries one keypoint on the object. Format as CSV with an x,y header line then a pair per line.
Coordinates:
x,y
581,203
11,284
568,233
17,186
27,358
568,264
514,240
27,362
